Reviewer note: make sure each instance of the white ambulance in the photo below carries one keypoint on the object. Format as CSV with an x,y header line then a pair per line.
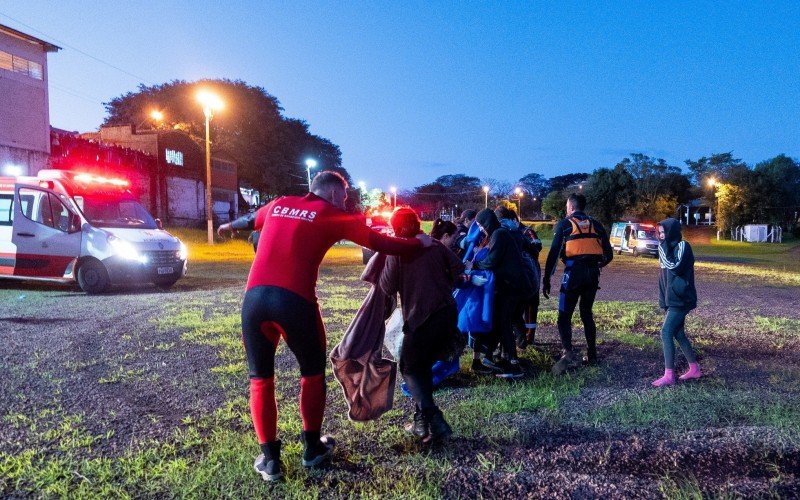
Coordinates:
x,y
68,226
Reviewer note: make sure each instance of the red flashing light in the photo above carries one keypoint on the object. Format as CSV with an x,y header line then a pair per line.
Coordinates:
x,y
46,184
94,179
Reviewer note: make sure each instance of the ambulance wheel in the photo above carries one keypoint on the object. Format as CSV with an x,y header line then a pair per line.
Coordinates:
x,y
93,277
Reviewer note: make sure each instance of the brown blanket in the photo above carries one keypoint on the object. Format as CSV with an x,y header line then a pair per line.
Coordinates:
x,y
367,379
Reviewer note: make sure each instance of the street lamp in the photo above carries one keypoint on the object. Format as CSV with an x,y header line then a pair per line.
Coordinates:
x,y
157,115
519,193
210,102
713,183
310,163
394,196
485,196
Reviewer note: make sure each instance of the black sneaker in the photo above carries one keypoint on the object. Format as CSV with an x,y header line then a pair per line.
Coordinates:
x,y
439,427
317,449
419,427
522,341
492,365
590,360
270,468
511,369
479,368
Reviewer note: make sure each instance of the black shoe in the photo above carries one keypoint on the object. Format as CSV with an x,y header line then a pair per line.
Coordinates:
x,y
269,464
491,364
511,369
439,428
481,369
419,427
590,360
522,341
316,449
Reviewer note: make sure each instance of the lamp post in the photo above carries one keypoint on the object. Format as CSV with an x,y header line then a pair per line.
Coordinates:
x,y
394,196
310,163
485,196
210,102
713,183
519,193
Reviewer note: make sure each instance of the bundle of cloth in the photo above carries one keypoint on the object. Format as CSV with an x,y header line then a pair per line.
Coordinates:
x,y
366,377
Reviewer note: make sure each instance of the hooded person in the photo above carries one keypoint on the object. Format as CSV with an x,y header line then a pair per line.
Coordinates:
x,y
462,228
512,285
677,296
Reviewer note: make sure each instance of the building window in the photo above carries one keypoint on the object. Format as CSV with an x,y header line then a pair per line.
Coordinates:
x,y
223,166
174,157
18,64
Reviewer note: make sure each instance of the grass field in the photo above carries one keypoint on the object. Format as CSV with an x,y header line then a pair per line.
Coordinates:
x,y
144,394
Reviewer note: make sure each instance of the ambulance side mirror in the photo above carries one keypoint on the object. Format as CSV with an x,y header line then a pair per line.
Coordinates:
x,y
159,224
74,223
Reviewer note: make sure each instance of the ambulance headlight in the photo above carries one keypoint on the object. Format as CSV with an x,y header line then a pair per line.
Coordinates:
x,y
183,253
125,250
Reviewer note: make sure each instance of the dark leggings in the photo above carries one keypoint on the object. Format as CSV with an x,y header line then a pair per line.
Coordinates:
x,y
506,306
269,313
569,298
674,328
421,348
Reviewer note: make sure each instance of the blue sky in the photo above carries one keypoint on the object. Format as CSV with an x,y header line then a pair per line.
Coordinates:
x,y
414,90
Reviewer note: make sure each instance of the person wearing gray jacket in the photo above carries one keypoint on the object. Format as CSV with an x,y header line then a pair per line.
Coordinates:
x,y
677,296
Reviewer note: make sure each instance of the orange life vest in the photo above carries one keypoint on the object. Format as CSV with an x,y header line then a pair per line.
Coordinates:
x,y
583,240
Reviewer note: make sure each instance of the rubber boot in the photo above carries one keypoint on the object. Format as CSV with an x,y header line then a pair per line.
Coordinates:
x,y
667,379
419,427
439,428
694,372
316,449
268,464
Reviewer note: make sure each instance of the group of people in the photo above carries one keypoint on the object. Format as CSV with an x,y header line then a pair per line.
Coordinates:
x,y
487,248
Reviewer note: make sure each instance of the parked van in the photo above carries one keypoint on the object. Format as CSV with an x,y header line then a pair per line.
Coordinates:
x,y
632,237
68,226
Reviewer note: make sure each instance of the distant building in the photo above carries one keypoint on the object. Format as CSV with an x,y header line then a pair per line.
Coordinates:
x,y
166,169
24,105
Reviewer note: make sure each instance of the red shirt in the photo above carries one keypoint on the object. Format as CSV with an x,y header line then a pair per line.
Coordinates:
x,y
297,232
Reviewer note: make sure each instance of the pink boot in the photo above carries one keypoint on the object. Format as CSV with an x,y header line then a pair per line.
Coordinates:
x,y
667,379
694,372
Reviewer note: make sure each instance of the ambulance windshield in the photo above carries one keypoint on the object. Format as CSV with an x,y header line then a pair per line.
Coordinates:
x,y
115,211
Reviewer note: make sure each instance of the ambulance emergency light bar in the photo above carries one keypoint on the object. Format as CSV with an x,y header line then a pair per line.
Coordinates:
x,y
95,179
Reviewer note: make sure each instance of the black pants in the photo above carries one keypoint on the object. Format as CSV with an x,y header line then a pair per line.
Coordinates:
x,y
580,285
421,349
506,307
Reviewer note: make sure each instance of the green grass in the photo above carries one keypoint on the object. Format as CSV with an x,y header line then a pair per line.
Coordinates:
x,y
699,406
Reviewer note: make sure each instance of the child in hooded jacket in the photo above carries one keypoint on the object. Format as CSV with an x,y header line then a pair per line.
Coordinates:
x,y
677,296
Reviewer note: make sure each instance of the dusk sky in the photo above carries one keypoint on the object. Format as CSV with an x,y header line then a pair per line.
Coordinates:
x,y
414,90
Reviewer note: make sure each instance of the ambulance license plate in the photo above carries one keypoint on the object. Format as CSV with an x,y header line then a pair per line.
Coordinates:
x,y
165,270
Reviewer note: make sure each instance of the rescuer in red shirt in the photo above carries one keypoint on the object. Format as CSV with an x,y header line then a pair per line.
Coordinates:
x,y
280,301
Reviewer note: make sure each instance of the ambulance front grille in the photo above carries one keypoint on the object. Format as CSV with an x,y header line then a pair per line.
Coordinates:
x,y
163,257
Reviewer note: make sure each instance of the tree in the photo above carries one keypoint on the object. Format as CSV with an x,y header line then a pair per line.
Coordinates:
x,y
448,191
562,182
775,190
534,185
657,183
609,193
555,205
269,148
717,165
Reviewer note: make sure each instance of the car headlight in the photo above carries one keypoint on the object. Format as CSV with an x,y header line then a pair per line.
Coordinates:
x,y
125,250
183,253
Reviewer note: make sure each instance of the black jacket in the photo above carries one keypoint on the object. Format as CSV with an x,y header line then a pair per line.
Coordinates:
x,y
676,282
560,233
505,257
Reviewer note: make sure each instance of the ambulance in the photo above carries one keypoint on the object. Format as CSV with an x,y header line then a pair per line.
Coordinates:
x,y
634,238
66,226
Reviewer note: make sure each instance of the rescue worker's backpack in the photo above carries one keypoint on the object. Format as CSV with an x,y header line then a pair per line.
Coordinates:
x,y
584,240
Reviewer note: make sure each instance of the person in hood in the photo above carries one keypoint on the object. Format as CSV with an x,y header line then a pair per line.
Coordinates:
x,y
677,296
512,285
524,321
462,227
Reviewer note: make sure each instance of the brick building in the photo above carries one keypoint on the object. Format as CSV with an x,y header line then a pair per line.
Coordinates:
x,y
24,105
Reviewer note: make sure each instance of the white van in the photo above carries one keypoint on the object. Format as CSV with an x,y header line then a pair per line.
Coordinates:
x,y
68,226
